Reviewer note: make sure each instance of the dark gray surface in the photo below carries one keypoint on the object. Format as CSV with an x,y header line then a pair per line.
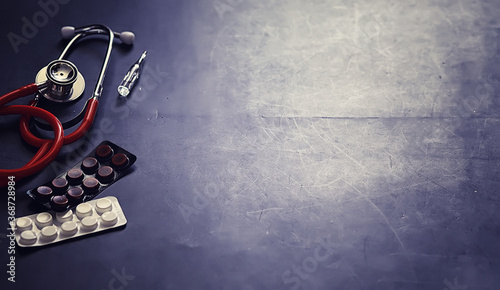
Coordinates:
x,y
274,130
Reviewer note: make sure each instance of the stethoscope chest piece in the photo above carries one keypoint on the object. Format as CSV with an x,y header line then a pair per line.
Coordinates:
x,y
64,82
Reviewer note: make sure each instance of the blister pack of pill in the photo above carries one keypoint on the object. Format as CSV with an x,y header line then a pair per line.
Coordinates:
x,y
51,227
87,179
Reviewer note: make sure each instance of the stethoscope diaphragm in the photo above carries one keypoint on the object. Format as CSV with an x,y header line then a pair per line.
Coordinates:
x,y
64,82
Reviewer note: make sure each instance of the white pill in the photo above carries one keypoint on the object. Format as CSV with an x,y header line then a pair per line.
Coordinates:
x,y
103,205
49,232
43,219
69,228
83,210
23,224
109,218
28,237
64,216
89,223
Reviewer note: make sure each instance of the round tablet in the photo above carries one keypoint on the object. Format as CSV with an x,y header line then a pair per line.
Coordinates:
x,y
105,174
104,152
89,223
109,218
75,194
103,205
43,219
69,228
74,176
23,224
90,165
49,232
59,202
28,237
60,185
119,161
44,192
83,210
64,216
90,185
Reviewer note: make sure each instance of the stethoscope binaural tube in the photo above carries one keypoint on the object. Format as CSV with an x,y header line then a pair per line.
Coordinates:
x,y
92,103
77,34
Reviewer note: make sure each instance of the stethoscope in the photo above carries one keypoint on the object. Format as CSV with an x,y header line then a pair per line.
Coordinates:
x,y
60,82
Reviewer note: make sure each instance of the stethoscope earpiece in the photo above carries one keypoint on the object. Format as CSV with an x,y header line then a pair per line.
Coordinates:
x,y
67,32
127,37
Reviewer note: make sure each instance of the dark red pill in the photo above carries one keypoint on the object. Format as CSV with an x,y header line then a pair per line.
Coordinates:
x,y
105,174
90,185
90,165
44,192
74,176
60,185
75,194
59,202
119,161
104,152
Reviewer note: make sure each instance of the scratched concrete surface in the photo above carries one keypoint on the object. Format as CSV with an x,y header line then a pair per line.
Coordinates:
x,y
308,145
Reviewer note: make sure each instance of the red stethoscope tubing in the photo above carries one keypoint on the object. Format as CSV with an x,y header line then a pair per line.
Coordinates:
x,y
49,148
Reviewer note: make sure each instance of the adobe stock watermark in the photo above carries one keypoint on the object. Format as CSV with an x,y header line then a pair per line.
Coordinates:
x,y
222,7
11,211
483,94
150,80
230,180
91,139
31,26
105,126
200,201
120,280
373,24
454,286
293,277
11,248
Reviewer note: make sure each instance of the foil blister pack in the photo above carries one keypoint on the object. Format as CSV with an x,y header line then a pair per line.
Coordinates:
x,y
51,227
85,180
